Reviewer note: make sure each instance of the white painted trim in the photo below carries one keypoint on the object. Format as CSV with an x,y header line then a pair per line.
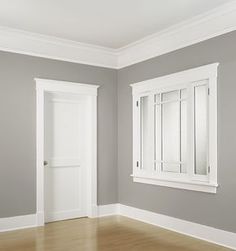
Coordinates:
x,y
175,81
43,86
34,44
178,183
18,222
206,233
50,85
62,215
92,172
213,23
40,218
110,209
35,220
199,231
202,72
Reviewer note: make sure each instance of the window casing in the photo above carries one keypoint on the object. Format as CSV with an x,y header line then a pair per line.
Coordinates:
x,y
175,130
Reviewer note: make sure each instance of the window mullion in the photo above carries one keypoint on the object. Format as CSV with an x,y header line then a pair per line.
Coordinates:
x,y
139,133
180,143
152,132
190,132
161,133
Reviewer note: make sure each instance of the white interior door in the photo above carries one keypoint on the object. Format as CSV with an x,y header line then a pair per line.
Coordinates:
x,y
64,151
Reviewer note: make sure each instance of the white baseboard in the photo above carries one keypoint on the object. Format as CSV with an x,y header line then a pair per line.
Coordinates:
x,y
35,220
206,233
18,222
93,211
210,234
40,218
106,210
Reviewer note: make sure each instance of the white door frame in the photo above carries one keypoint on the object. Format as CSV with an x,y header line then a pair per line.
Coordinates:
x,y
53,86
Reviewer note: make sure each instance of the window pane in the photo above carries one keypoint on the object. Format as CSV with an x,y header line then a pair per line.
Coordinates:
x,y
169,96
183,136
171,135
200,105
144,132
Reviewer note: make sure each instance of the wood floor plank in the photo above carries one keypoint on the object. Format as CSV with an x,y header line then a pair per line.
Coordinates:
x,y
113,233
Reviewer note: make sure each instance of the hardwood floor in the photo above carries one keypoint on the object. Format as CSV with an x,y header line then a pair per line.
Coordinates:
x,y
113,233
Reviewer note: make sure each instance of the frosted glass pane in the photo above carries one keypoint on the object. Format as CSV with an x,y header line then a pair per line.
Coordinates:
x,y
144,132
183,136
171,134
168,96
201,129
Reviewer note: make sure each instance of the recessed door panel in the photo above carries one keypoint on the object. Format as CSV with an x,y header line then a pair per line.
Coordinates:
x,y
65,173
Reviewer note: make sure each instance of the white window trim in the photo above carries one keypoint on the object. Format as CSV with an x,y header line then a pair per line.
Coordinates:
x,y
208,72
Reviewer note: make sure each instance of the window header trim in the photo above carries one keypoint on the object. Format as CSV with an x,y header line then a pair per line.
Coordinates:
x,y
195,74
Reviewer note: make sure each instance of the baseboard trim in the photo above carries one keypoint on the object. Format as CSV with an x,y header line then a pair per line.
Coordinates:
x,y
93,212
18,222
110,209
40,218
206,233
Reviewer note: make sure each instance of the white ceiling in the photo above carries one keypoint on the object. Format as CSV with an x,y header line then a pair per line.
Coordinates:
x,y
108,23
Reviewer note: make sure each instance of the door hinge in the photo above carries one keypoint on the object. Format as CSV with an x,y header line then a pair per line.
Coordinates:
x,y
136,103
208,91
137,164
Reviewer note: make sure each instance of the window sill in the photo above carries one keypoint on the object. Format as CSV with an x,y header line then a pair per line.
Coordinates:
x,y
180,184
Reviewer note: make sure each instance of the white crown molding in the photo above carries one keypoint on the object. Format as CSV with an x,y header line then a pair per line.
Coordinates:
x,y
213,23
19,41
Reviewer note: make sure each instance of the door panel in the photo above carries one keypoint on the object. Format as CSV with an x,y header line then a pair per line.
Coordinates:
x,y
65,174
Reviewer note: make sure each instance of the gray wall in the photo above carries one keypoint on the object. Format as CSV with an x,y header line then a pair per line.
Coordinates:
x,y
17,132
216,210
18,127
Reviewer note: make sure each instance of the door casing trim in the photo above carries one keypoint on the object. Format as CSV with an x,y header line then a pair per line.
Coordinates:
x,y
54,86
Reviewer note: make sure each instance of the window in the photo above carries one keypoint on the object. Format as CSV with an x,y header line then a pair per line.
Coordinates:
x,y
175,130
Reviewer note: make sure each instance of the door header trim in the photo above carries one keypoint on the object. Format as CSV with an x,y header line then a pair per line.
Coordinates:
x,y
54,86
50,85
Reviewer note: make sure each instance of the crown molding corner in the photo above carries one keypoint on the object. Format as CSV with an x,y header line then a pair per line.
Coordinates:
x,y
213,23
